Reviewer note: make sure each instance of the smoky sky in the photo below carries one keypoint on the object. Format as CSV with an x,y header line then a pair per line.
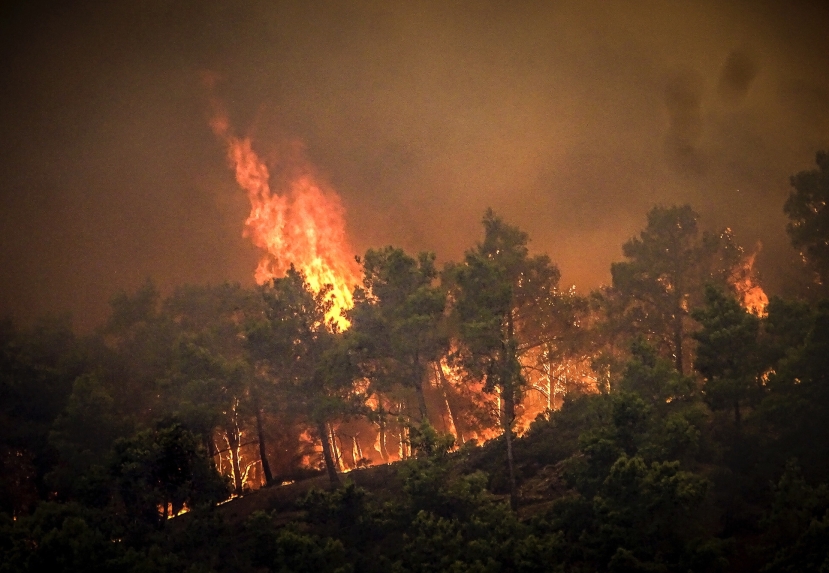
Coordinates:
x,y
570,119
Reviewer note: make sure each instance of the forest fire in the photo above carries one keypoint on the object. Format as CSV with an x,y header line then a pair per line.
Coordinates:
x,y
300,224
295,219
752,296
550,352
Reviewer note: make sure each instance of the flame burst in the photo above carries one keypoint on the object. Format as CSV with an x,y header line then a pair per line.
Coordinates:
x,y
302,223
752,296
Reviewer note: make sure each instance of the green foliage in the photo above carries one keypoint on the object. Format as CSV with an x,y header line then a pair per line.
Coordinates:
x,y
57,537
37,369
290,550
129,311
728,353
161,468
807,210
342,507
72,537
304,361
663,278
797,525
652,512
83,435
483,543
138,351
503,299
785,328
648,505
653,378
397,320
427,442
798,398
646,475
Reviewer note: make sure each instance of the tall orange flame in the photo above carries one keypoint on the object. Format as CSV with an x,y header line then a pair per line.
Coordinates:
x,y
752,296
302,224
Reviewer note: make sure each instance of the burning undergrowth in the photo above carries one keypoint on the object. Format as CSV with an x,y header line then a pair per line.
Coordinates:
x,y
298,222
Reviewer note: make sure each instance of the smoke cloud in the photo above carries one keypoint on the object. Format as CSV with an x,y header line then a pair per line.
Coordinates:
x,y
570,119
737,74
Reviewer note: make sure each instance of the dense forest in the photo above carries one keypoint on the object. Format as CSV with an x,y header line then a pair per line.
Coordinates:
x,y
475,417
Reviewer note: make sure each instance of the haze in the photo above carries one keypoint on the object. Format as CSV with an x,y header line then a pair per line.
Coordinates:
x,y
570,119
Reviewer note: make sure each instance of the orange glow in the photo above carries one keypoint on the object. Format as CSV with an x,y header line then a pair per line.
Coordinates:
x,y
549,383
752,296
302,223
170,515
481,409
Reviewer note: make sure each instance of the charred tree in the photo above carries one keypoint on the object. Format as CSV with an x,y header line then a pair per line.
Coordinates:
x,y
260,437
326,454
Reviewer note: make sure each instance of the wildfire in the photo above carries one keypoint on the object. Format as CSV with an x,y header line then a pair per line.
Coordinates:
x,y
752,296
302,223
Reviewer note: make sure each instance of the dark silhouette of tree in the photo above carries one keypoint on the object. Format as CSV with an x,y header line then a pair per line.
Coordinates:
x,y
210,384
83,434
798,398
139,341
807,210
728,353
302,357
159,471
500,296
663,279
37,368
397,320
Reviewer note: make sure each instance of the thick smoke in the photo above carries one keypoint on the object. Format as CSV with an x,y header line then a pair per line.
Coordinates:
x,y
683,99
570,119
737,75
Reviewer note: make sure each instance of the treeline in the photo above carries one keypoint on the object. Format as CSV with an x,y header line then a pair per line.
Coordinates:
x,y
681,416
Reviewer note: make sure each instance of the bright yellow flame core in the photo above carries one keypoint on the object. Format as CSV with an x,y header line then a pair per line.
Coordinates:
x,y
752,296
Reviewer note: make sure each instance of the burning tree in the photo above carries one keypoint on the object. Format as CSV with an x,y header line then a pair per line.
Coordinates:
x,y
665,274
500,296
397,321
299,223
210,384
302,356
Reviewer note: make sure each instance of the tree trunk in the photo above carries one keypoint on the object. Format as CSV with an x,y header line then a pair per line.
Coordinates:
x,y
418,386
260,435
381,422
444,384
507,418
326,454
508,404
336,451
233,446
678,336
403,454
358,451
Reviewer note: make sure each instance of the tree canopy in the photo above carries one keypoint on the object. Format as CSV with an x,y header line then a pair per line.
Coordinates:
x,y
808,213
696,439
